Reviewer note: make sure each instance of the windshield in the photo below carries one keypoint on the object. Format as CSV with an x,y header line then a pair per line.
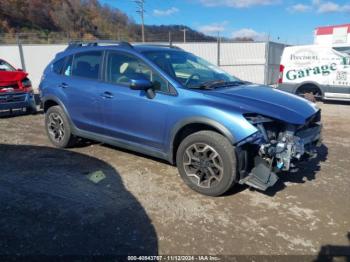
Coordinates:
x,y
4,66
191,71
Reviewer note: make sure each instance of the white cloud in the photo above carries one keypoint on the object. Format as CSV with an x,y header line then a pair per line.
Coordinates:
x,y
300,8
238,3
213,28
331,7
249,33
166,12
328,7
320,7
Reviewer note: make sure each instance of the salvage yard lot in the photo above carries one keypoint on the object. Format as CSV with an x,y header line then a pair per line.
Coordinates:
x,y
49,205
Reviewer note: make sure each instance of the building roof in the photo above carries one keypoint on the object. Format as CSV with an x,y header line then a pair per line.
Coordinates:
x,y
328,30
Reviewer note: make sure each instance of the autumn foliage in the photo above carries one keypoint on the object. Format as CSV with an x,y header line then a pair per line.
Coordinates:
x,y
78,19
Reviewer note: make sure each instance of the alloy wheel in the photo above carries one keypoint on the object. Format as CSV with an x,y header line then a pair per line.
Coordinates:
x,y
56,127
203,164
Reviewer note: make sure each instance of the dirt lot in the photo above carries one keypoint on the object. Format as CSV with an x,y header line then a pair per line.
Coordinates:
x,y
48,204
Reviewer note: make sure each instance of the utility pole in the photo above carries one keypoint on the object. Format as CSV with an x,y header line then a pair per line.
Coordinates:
x,y
141,11
218,49
170,39
184,30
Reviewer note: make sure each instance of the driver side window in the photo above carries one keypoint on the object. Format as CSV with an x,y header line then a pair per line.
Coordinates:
x,y
121,68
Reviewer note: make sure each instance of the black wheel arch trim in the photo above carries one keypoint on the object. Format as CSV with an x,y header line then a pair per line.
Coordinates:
x,y
60,103
320,87
197,120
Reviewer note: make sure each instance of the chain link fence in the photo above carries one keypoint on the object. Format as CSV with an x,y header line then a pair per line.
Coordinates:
x,y
257,62
61,38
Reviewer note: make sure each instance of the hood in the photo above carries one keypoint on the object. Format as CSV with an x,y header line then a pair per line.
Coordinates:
x,y
11,77
267,101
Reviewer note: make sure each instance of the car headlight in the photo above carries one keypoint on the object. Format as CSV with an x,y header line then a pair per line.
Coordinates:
x,y
256,118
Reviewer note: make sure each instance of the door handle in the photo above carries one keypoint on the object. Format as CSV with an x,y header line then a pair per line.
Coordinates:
x,y
107,95
63,85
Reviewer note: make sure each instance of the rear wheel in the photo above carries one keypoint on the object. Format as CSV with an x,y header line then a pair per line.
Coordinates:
x,y
58,128
207,163
310,92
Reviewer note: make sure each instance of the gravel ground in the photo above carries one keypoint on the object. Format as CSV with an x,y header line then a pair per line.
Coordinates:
x,y
48,204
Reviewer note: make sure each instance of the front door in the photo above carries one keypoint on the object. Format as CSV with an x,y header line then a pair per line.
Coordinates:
x,y
129,114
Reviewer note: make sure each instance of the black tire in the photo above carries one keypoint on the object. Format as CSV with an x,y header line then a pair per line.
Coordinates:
x,y
31,110
65,140
226,158
310,92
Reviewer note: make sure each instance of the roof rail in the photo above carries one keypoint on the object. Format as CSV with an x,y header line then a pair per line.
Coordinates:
x,y
161,45
77,44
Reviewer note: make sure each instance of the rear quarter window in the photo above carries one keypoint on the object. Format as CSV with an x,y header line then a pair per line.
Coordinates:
x,y
67,68
57,66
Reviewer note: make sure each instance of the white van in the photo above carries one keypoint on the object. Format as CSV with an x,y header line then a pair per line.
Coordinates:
x,y
318,70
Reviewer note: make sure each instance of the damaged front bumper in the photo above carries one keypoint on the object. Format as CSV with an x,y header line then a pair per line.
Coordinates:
x,y
281,150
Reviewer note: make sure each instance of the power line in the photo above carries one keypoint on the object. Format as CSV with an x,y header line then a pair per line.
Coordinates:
x,y
141,11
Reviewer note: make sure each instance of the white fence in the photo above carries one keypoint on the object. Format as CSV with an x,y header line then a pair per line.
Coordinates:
x,y
254,62
35,58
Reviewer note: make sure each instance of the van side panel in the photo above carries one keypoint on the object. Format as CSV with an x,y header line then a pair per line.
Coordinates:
x,y
323,67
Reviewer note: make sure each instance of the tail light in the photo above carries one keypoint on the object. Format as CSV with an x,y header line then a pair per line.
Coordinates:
x,y
280,76
27,85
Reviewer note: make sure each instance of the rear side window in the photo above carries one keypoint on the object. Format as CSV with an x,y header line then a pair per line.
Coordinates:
x,y
87,64
57,66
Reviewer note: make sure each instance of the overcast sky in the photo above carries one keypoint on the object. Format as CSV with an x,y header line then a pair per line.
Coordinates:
x,y
291,21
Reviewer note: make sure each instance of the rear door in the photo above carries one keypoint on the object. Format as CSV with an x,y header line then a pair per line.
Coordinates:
x,y
80,85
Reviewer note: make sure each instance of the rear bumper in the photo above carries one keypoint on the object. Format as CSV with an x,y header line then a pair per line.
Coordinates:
x,y
11,101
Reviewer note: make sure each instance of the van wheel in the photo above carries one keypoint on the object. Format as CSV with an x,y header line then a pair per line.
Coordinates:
x,y
58,128
310,92
206,162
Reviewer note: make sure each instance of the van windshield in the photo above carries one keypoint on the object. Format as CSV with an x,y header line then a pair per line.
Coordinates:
x,y
189,70
345,50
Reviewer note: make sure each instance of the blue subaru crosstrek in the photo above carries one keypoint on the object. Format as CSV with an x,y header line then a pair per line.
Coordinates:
x,y
170,104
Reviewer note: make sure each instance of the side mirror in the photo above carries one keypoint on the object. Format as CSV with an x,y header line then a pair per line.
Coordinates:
x,y
140,84
143,84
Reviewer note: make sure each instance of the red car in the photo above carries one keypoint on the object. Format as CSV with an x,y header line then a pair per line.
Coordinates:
x,y
16,90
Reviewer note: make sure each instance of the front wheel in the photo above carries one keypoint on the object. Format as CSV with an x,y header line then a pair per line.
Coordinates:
x,y
206,161
58,128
